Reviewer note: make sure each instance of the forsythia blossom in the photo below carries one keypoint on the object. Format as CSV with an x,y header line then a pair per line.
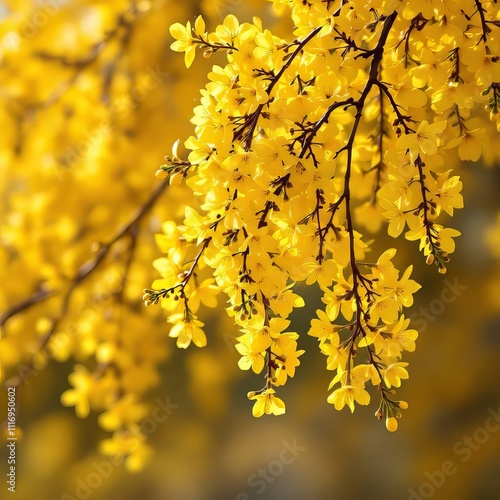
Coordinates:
x,y
296,142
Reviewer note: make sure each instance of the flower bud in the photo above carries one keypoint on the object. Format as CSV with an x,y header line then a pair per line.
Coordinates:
x,y
161,174
176,178
391,424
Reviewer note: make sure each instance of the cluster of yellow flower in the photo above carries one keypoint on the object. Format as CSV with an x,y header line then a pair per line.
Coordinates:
x,y
83,107
299,143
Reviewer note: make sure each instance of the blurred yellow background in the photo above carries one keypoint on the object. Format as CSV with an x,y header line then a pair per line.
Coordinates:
x,y
85,125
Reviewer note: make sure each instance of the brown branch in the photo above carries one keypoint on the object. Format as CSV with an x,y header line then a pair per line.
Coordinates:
x,y
484,26
431,233
380,144
373,79
324,119
454,57
125,20
357,278
401,119
251,124
134,233
86,270
152,296
39,296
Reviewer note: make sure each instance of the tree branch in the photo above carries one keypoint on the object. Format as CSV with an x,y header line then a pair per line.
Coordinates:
x,y
357,278
253,119
85,271
39,296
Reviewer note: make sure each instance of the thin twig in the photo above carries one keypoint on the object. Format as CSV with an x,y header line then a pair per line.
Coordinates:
x,y
39,296
86,270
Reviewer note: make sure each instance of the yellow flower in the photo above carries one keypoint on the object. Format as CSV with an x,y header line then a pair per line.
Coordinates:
x,y
394,373
187,330
227,32
446,236
250,358
348,395
405,288
324,329
397,337
391,424
128,445
449,194
337,355
285,301
266,50
396,216
124,411
323,273
83,385
267,403
472,144
184,39
425,140
385,308
287,360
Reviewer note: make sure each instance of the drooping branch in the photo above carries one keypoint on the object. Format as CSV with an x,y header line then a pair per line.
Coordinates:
x,y
486,30
357,277
431,233
246,131
121,32
154,296
381,132
85,270
39,296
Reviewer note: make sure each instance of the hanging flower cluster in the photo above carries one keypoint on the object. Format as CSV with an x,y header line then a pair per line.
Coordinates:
x,y
301,147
